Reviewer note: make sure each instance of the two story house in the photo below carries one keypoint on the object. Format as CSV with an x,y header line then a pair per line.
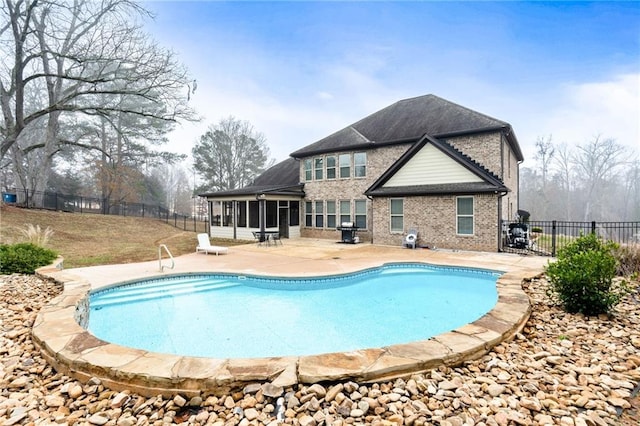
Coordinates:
x,y
423,163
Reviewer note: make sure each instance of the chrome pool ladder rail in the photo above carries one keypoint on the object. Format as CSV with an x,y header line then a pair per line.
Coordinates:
x,y
173,263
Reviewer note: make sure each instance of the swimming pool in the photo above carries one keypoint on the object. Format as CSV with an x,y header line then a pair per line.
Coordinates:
x,y
242,316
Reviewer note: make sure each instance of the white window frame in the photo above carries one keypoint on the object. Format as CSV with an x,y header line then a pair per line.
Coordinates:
x,y
308,214
359,165
331,213
318,168
465,215
332,168
319,214
345,215
396,215
307,167
363,205
342,164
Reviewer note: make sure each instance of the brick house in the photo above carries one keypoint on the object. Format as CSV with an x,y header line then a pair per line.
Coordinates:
x,y
422,163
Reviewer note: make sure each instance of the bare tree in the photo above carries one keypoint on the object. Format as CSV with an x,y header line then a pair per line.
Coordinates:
x,y
230,155
630,202
598,163
565,177
545,151
90,60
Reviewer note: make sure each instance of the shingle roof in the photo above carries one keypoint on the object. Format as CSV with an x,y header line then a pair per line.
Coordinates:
x,y
409,120
280,179
490,182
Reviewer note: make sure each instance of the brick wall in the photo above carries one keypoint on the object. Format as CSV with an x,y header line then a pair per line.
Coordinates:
x,y
378,161
493,151
433,216
435,219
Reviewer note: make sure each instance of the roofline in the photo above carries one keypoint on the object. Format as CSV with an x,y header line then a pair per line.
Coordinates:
x,y
471,132
382,193
276,190
506,128
446,149
357,147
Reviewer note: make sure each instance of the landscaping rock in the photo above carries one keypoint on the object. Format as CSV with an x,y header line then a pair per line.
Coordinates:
x,y
562,369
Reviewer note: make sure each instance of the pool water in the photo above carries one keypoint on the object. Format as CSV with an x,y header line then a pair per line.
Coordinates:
x,y
236,316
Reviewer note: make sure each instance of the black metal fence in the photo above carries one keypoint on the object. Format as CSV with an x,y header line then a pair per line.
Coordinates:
x,y
93,205
546,237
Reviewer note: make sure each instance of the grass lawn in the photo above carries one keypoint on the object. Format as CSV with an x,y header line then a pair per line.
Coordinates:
x,y
93,239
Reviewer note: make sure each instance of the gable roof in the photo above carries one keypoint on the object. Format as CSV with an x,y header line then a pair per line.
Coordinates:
x,y
280,179
409,120
486,182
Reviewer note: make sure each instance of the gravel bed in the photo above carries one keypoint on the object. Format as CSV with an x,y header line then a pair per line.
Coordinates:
x,y
561,370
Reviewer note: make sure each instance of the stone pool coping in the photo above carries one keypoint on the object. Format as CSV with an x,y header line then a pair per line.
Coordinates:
x,y
71,349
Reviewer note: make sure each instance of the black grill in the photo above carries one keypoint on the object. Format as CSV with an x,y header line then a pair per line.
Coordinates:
x,y
348,231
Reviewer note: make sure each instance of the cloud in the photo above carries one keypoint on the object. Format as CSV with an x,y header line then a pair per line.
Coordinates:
x,y
576,113
607,108
325,96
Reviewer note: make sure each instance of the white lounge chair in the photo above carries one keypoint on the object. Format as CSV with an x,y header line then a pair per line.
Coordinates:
x,y
205,245
410,239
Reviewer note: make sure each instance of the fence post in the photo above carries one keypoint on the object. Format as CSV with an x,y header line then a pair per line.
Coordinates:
x,y
553,238
593,227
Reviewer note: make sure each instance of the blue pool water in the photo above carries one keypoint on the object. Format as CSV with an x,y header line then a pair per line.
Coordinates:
x,y
235,316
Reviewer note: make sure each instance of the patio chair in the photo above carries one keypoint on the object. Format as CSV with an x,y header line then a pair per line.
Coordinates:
x,y
275,237
260,237
204,245
410,239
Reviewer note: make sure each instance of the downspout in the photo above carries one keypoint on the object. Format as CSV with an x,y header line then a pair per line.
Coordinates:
x,y
371,216
518,185
500,195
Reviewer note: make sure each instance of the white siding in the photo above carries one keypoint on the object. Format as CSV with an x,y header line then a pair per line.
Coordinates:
x,y
431,166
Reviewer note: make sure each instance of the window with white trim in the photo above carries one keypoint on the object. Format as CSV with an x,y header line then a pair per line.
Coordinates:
x,y
396,214
319,214
308,172
464,215
361,213
344,161
331,166
345,211
318,166
360,164
308,214
331,214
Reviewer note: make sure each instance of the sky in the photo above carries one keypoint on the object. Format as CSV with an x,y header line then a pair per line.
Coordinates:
x,y
299,71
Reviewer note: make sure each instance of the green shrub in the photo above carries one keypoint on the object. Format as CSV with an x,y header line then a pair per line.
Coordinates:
x,y
582,277
536,229
24,258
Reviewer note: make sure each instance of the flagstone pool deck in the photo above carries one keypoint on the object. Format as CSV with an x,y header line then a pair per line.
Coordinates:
x,y
71,349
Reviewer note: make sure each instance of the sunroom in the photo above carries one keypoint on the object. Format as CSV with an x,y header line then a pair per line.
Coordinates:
x,y
271,205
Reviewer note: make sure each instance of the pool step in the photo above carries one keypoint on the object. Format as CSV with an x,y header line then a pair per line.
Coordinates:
x,y
158,289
